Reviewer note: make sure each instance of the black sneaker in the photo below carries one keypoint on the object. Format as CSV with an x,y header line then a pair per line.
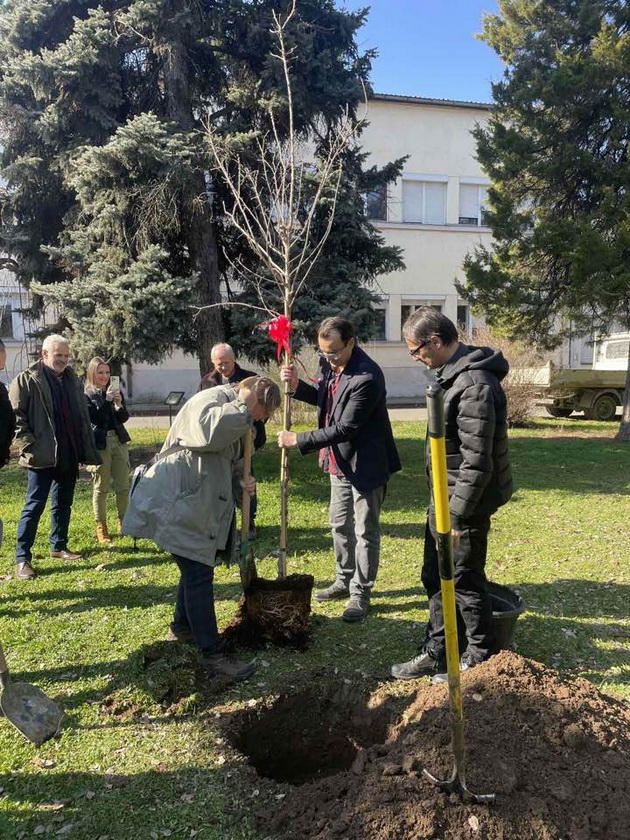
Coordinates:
x,y
219,664
465,663
356,609
423,665
335,592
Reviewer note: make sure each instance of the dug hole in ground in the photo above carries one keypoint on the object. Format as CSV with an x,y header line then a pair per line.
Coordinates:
x,y
330,760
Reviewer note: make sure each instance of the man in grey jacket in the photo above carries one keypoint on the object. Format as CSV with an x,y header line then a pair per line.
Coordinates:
x,y
54,436
479,482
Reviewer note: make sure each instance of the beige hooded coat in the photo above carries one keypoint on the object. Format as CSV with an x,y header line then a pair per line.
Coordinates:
x,y
185,501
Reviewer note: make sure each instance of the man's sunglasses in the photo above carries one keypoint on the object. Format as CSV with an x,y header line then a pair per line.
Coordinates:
x,y
334,355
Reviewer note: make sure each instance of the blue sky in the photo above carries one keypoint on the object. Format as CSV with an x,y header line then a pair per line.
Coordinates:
x,y
428,47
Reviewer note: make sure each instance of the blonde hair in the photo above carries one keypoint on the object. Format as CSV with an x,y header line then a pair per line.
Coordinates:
x,y
90,373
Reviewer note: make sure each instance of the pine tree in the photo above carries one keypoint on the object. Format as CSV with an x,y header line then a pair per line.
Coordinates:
x,y
102,108
556,150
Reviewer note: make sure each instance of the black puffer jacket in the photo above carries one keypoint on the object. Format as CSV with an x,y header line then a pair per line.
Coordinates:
x,y
479,474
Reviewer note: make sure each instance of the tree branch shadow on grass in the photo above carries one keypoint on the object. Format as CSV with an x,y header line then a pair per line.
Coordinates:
x,y
120,804
557,628
86,599
575,465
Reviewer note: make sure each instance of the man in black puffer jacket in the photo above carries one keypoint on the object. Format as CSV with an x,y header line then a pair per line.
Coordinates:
x,y
479,482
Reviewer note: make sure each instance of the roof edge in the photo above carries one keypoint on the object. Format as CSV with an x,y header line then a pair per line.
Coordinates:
x,y
425,100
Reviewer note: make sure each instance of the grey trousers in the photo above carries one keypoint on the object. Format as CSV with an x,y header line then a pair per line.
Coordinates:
x,y
354,520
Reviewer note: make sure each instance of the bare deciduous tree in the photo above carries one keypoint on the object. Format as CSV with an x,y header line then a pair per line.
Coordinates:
x,y
282,184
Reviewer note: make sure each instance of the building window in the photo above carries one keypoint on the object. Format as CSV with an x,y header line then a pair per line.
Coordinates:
x,y
424,202
407,309
376,204
617,350
463,318
380,323
472,204
6,321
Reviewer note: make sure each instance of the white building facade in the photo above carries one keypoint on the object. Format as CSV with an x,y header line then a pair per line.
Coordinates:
x,y
434,212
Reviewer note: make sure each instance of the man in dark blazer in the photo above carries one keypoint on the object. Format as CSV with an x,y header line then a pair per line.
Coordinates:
x,y
356,448
227,371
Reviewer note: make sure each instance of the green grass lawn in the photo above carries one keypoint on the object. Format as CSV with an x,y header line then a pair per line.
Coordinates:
x,y
78,630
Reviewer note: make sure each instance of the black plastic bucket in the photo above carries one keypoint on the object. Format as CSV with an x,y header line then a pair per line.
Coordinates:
x,y
507,605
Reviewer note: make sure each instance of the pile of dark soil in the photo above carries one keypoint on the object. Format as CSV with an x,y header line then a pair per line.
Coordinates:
x,y
555,752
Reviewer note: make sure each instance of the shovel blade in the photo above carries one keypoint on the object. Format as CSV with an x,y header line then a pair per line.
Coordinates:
x,y
36,716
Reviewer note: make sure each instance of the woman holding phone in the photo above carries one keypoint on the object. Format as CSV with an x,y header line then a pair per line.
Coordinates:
x,y
108,416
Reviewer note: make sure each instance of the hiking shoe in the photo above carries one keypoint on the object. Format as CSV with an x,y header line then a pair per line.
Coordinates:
x,y
356,609
466,662
423,665
219,664
335,592
24,570
182,634
64,554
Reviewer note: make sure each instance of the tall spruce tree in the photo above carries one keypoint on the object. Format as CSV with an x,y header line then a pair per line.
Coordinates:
x,y
110,203
556,150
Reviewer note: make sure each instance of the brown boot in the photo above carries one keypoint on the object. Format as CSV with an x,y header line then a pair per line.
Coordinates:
x,y
101,533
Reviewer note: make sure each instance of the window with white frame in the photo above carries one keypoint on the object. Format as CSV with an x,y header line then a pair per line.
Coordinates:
x,y
472,204
376,204
424,200
6,320
380,316
407,309
463,318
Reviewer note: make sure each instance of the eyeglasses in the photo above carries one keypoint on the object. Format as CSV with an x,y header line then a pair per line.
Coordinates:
x,y
334,355
413,353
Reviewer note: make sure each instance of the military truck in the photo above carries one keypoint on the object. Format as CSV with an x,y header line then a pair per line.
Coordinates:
x,y
598,391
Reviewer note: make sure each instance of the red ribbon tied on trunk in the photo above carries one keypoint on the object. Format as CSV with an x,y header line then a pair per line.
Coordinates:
x,y
280,329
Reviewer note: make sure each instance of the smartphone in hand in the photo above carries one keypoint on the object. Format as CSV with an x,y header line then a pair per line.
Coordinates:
x,y
114,383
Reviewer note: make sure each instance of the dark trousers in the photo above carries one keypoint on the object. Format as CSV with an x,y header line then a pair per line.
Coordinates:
x,y
194,608
474,610
59,483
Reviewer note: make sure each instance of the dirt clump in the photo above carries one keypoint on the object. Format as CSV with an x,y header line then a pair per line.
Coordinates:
x,y
556,752
273,612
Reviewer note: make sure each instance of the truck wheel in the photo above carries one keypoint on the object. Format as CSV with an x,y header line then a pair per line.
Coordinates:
x,y
603,408
555,411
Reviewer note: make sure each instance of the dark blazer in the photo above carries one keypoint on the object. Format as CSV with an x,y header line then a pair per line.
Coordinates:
x,y
101,410
7,425
214,378
359,433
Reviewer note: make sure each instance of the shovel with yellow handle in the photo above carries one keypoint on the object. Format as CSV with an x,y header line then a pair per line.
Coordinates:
x,y
457,781
27,707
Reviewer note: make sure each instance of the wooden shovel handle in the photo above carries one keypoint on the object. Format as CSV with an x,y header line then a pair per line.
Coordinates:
x,y
247,471
4,668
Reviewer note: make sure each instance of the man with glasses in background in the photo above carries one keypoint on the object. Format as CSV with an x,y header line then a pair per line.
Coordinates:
x,y
356,448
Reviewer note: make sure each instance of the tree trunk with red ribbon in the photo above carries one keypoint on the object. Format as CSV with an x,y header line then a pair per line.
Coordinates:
x,y
284,196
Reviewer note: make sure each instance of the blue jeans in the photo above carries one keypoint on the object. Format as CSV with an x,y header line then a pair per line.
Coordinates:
x,y
39,486
194,608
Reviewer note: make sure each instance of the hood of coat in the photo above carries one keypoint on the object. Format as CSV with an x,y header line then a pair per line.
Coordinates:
x,y
467,357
